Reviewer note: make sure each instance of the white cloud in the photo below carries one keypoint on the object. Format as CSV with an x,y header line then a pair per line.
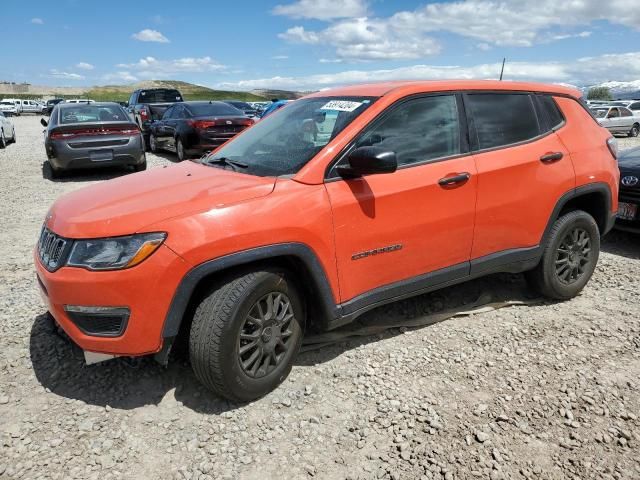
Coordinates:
x,y
37,21
584,71
150,67
330,60
404,35
68,75
84,66
322,9
149,35
121,76
484,46
280,57
366,39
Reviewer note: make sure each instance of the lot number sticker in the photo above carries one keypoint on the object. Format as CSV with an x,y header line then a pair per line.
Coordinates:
x,y
341,105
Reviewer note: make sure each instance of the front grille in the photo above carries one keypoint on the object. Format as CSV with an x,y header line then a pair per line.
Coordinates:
x,y
630,194
52,249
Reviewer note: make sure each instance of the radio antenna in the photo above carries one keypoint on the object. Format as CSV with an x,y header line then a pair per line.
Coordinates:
x,y
504,59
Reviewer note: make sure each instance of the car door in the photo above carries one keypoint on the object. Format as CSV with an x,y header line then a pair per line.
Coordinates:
x,y
398,233
160,129
523,170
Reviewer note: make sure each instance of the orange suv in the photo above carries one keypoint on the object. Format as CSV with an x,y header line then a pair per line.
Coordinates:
x,y
338,203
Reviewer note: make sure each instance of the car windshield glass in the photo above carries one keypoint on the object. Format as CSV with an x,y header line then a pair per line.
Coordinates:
x,y
600,112
160,96
82,113
213,109
284,142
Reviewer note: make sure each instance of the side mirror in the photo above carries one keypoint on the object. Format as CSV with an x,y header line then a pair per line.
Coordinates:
x,y
369,161
44,123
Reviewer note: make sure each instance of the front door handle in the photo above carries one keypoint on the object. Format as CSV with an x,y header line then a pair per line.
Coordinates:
x,y
551,157
454,179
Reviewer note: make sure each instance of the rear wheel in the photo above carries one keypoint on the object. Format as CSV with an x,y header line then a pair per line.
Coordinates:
x,y
3,139
50,171
246,334
153,143
635,130
141,166
569,258
145,139
180,150
14,139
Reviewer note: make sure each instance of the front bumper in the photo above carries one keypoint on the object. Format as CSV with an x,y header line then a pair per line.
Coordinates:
x,y
146,289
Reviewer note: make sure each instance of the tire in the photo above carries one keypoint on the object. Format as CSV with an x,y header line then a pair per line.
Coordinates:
x,y
221,329
145,140
140,167
50,171
180,150
14,139
153,144
3,139
635,130
566,265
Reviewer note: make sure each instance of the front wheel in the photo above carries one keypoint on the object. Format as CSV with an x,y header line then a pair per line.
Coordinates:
x,y
180,150
569,257
246,334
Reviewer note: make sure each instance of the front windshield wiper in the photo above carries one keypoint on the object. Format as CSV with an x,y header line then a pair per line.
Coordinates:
x,y
226,161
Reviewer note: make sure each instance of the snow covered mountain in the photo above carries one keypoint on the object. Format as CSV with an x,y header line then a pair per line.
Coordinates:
x,y
620,90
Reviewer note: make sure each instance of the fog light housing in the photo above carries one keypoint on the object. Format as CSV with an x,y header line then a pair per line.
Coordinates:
x,y
99,321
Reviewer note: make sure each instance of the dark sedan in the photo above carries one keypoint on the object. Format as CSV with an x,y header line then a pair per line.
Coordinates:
x,y
193,128
247,109
629,199
91,135
52,103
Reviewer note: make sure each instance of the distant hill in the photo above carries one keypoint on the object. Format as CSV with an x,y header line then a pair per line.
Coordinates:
x,y
620,90
279,94
120,93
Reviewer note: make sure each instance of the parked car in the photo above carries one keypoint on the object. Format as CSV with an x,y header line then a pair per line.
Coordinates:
x,y
629,205
8,108
94,135
52,103
31,106
419,185
244,107
148,105
16,102
192,128
618,120
277,105
7,131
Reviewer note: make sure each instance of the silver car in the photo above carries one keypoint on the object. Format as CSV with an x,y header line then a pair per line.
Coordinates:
x,y
91,136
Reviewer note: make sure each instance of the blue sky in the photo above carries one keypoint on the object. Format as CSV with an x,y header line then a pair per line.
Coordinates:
x,y
311,44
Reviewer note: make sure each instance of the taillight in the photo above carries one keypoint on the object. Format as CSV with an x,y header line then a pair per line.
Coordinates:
x,y
91,132
247,122
201,124
612,143
144,115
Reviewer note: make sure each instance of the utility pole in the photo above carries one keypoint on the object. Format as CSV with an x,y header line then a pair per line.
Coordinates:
x,y
502,70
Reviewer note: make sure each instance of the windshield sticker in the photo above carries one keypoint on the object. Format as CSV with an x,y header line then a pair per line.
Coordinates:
x,y
341,105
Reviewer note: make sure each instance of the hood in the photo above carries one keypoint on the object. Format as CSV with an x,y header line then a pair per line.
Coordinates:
x,y
128,204
630,159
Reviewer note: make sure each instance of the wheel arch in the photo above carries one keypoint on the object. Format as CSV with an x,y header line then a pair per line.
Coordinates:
x,y
594,198
296,258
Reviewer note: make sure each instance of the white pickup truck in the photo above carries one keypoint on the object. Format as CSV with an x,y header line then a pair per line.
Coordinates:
x,y
618,120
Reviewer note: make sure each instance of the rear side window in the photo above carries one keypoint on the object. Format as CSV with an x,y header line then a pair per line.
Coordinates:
x,y
419,130
625,112
549,113
502,118
635,106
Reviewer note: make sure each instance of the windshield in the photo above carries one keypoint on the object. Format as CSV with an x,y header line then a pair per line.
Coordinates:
x,y
213,109
83,113
283,143
600,112
160,96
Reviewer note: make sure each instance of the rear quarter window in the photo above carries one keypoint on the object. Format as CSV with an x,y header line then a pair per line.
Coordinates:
x,y
501,119
549,113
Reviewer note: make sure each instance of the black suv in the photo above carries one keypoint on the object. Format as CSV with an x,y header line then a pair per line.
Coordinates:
x,y
149,104
629,200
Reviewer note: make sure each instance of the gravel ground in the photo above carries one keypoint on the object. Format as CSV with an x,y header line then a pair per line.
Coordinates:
x,y
544,391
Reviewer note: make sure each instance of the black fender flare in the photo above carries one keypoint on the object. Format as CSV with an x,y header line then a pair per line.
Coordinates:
x,y
597,187
300,251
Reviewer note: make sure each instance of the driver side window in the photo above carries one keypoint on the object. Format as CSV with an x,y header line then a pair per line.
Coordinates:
x,y
419,130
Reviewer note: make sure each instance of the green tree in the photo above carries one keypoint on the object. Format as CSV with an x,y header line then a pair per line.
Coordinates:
x,y
599,93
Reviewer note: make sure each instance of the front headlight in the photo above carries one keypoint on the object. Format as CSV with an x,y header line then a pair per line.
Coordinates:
x,y
114,253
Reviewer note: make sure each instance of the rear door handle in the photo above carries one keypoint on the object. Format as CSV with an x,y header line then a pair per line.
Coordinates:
x,y
551,157
454,179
